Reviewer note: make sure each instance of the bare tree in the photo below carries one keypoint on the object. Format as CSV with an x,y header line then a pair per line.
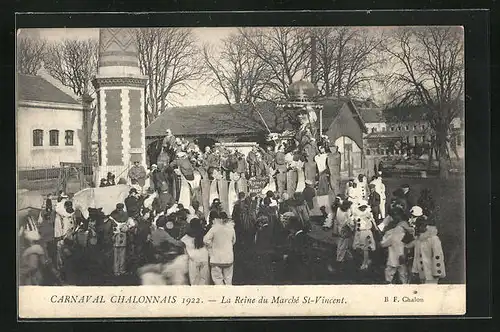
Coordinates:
x,y
73,63
347,59
30,54
242,80
285,50
171,60
429,71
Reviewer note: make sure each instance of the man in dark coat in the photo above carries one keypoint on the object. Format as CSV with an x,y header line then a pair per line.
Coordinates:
x,y
333,161
264,250
298,254
164,199
119,214
408,196
132,203
374,201
251,160
240,217
309,193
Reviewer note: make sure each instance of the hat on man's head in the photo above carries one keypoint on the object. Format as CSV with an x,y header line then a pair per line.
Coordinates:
x,y
371,185
154,166
405,185
416,211
309,182
63,195
120,206
133,191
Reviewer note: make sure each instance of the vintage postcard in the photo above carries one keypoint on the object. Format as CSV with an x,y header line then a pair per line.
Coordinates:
x,y
240,171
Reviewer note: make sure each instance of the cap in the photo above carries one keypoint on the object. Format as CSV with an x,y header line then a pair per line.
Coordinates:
x,y
120,206
133,191
371,185
63,195
154,166
309,182
405,186
416,211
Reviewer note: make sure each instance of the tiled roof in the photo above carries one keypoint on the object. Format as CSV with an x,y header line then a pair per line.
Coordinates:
x,y
223,119
220,119
35,88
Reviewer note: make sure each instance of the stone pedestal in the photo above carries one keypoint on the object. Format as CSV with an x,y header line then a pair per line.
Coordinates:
x,y
120,100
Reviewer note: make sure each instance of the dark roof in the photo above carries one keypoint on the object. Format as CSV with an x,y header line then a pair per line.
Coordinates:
x,y
219,119
35,88
224,119
371,115
332,107
405,114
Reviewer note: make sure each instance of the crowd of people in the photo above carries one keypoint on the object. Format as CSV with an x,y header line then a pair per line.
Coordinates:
x,y
167,218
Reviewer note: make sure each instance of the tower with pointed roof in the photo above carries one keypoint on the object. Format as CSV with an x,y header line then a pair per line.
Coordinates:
x,y
120,100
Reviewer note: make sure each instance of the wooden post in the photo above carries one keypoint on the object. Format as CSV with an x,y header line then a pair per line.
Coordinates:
x,y
321,121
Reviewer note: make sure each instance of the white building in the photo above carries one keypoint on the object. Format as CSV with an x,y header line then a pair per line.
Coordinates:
x,y
49,123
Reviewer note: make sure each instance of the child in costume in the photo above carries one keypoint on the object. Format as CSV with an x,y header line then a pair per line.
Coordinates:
x,y
396,258
429,258
363,236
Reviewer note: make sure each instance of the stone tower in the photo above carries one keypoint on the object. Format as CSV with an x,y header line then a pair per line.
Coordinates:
x,y
120,100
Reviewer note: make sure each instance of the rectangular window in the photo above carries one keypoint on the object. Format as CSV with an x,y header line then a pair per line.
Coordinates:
x,y
423,127
415,127
38,137
415,140
407,127
423,139
68,137
399,128
408,139
54,137
392,128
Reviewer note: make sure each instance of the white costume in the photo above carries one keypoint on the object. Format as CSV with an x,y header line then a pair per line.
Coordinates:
x,y
301,180
232,195
380,189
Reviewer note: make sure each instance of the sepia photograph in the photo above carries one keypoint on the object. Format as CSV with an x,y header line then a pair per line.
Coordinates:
x,y
239,156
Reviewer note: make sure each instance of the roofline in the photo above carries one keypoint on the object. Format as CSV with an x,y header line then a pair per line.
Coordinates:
x,y
50,105
353,106
204,105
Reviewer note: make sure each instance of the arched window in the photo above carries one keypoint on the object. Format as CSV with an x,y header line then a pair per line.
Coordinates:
x,y
68,137
54,137
367,152
38,137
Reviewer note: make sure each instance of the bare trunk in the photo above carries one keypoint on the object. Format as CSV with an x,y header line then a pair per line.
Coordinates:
x,y
442,156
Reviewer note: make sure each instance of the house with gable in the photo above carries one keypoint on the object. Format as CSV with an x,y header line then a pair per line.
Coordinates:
x,y
51,123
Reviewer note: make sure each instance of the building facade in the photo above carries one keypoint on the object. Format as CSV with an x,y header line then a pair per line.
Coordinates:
x,y
405,131
50,123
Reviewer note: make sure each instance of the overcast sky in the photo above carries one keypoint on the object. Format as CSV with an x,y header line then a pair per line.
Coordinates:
x,y
201,95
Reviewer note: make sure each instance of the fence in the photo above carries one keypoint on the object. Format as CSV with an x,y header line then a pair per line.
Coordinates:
x,y
50,179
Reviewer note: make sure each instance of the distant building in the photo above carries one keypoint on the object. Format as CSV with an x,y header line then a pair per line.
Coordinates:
x,y
49,123
405,129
